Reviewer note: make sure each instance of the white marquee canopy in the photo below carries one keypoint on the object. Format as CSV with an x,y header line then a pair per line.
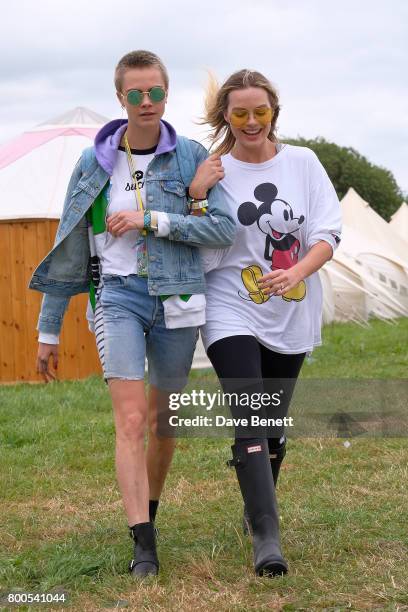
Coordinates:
x,y
35,167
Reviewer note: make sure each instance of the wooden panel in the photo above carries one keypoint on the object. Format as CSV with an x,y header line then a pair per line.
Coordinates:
x,y
44,244
52,227
22,246
32,298
6,306
18,300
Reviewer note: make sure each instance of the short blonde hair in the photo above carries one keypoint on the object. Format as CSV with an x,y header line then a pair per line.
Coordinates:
x,y
216,104
139,59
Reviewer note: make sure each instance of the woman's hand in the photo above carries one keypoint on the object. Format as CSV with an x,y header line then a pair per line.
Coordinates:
x,y
279,282
121,222
207,175
45,351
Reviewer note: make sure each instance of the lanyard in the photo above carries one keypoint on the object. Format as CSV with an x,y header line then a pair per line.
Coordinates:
x,y
132,170
135,183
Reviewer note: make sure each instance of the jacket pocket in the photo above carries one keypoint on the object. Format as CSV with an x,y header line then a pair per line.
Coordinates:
x,y
69,260
173,186
189,262
174,196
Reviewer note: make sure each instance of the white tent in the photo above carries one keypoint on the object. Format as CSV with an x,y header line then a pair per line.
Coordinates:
x,y
399,222
358,214
34,171
35,167
328,296
374,263
358,295
373,260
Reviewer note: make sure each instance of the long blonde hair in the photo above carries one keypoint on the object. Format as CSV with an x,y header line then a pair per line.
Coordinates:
x,y
216,104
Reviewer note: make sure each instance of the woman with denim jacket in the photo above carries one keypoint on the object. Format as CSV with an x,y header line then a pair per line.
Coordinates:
x,y
267,316
127,236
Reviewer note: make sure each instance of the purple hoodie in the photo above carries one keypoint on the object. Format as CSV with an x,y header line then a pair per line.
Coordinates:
x,y
108,138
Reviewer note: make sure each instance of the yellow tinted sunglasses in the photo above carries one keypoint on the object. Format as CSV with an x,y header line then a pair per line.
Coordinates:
x,y
240,116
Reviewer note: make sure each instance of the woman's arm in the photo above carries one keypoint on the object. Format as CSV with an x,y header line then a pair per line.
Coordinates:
x,y
49,326
323,233
215,229
279,282
209,172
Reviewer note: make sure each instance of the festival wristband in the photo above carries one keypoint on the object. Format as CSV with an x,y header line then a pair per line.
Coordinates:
x,y
147,219
198,204
150,220
154,222
190,197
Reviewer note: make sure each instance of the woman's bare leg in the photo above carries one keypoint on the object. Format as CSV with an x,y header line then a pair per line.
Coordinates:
x,y
160,449
130,414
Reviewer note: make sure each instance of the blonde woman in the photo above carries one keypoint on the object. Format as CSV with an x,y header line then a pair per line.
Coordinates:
x,y
264,297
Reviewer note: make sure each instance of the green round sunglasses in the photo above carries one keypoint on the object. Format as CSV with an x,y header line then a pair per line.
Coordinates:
x,y
135,96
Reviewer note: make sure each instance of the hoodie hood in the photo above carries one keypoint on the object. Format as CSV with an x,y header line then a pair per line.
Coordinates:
x,y
107,142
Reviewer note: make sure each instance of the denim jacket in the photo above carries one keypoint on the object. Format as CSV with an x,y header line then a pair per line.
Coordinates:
x,y
174,265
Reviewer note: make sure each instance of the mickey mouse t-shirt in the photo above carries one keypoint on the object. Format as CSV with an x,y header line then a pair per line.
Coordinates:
x,y
282,207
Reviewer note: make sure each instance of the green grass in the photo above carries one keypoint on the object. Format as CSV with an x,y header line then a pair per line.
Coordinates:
x,y
351,351
343,510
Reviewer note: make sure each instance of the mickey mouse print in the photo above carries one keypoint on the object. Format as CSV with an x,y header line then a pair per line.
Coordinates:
x,y
275,218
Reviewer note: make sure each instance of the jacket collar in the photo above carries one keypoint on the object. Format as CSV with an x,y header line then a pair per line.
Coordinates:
x,y
107,141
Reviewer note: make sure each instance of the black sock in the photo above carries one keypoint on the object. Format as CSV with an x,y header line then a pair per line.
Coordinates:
x,y
153,504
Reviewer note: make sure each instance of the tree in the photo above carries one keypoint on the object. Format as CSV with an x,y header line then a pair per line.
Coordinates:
x,y
347,168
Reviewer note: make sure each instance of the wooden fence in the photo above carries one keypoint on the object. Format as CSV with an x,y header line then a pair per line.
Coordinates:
x,y
23,244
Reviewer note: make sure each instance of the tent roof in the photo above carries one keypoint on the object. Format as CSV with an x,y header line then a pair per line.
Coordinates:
x,y
355,243
372,286
358,214
78,117
399,222
78,121
36,166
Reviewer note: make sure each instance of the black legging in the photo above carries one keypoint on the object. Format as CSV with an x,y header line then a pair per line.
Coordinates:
x,y
237,358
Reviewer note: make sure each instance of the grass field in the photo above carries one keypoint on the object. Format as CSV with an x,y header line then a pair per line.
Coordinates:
x,y
344,510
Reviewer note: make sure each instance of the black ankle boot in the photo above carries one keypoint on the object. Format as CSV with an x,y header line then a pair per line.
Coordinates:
x,y
277,452
254,475
145,561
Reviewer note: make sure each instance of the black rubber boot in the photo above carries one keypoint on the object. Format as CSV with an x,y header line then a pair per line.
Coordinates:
x,y
254,475
153,505
145,561
277,452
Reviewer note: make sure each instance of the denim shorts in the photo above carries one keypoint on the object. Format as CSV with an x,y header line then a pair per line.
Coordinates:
x,y
130,327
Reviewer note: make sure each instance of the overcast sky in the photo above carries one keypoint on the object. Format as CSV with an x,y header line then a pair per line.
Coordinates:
x,y
340,67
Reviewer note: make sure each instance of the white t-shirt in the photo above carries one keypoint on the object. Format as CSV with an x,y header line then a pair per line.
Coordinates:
x,y
282,207
117,254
